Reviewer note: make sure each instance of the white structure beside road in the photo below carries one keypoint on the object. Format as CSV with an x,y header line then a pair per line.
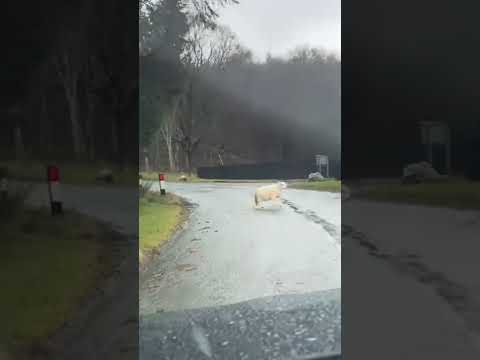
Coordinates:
x,y
322,163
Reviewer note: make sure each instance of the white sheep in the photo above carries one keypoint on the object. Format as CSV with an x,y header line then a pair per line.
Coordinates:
x,y
269,192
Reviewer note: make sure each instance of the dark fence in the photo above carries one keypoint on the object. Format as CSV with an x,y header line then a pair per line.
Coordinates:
x,y
472,161
272,170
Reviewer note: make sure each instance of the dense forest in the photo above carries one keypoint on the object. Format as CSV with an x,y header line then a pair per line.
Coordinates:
x,y
68,97
413,62
205,101
71,73
77,88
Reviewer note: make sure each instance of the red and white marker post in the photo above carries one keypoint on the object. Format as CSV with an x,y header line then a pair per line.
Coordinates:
x,y
161,181
53,180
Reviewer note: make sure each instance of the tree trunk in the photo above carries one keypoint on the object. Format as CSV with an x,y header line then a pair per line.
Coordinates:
x,y
115,139
69,77
168,129
89,136
89,131
171,158
19,148
188,162
91,148
78,144
48,125
147,165
176,153
169,143
157,150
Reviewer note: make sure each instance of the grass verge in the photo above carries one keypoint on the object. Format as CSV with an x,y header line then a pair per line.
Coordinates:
x,y
48,265
174,177
170,176
326,185
71,173
455,194
159,217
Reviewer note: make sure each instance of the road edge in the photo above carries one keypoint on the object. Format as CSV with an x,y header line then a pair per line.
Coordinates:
x,y
146,258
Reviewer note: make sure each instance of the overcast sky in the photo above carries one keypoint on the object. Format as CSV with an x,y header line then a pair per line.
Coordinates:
x,y
277,26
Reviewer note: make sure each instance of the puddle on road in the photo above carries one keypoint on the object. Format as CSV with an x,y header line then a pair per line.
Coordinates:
x,y
160,274
185,267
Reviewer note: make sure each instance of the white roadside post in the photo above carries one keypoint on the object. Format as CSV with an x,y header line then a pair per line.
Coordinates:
x,y
161,181
53,180
322,161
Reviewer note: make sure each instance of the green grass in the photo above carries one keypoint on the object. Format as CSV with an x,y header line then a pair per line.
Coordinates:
x,y
47,267
243,181
456,194
159,218
326,185
71,173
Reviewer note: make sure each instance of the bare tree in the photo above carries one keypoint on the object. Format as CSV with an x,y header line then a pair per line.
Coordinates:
x,y
67,62
206,49
224,46
206,11
210,48
185,131
168,130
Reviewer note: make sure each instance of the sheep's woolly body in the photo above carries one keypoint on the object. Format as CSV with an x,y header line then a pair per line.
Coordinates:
x,y
269,192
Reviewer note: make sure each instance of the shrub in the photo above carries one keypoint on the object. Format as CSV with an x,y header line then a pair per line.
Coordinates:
x,y
14,202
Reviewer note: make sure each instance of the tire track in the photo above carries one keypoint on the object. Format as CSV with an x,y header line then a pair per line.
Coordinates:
x,y
310,215
455,295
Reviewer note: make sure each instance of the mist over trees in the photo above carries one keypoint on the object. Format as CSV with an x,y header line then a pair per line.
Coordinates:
x,y
205,101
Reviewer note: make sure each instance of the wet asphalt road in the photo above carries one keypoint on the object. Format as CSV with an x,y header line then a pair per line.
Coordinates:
x,y
116,206
230,252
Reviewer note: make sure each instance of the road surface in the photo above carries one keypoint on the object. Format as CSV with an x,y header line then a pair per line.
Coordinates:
x,y
422,258
230,252
116,206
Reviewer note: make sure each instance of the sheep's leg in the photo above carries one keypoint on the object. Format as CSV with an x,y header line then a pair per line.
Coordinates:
x,y
277,200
